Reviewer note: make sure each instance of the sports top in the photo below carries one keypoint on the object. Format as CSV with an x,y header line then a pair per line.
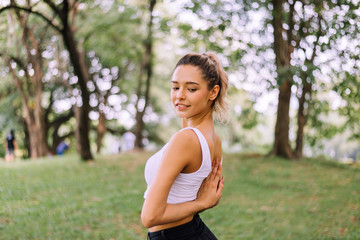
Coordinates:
x,y
186,185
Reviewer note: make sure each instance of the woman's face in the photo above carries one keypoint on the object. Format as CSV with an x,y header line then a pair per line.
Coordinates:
x,y
189,92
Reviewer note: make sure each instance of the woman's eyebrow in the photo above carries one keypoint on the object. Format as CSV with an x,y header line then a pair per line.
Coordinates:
x,y
186,82
192,83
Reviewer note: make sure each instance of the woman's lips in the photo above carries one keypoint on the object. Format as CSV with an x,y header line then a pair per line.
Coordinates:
x,y
181,107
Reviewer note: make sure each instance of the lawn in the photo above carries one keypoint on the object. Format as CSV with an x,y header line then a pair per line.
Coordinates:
x,y
264,198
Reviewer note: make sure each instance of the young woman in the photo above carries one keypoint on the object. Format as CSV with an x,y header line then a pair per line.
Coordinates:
x,y
184,177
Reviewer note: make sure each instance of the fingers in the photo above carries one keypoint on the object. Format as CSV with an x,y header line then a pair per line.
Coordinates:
x,y
219,190
210,191
219,170
214,177
213,163
216,170
221,185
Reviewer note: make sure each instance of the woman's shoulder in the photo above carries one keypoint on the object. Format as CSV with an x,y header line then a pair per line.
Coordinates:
x,y
185,140
185,137
183,147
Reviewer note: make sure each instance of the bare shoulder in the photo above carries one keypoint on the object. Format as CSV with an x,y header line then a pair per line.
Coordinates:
x,y
184,145
185,140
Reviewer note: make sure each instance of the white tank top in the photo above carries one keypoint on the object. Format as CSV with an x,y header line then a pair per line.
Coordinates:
x,y
186,185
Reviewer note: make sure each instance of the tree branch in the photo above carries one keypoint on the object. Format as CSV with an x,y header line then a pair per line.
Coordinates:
x,y
62,119
69,134
20,88
53,7
29,10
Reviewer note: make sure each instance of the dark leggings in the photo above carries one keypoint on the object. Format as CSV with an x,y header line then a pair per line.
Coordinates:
x,y
193,230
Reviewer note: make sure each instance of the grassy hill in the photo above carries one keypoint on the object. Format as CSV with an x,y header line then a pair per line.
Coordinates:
x,y
264,198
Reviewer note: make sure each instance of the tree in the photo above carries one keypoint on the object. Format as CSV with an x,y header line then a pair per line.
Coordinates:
x,y
111,59
145,66
299,31
30,86
54,121
301,36
65,13
10,112
283,50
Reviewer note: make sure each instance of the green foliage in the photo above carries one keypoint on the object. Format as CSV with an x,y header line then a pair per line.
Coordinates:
x,y
249,118
10,114
349,91
319,115
219,33
263,198
114,33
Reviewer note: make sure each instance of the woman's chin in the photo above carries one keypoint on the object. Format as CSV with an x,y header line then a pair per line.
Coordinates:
x,y
181,115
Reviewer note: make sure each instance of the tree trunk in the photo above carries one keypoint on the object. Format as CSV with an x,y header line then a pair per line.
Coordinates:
x,y
138,130
305,99
148,67
301,124
282,52
34,114
38,146
27,138
40,129
35,141
302,116
281,143
82,112
101,130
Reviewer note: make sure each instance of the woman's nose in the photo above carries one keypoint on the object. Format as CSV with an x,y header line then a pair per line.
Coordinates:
x,y
180,94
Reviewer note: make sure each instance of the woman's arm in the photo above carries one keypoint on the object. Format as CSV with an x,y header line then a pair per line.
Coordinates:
x,y
179,153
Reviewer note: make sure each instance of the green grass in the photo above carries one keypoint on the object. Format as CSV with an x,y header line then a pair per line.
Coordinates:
x,y
263,198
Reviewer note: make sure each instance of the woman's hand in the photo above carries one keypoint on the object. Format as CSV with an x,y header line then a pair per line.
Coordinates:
x,y
211,188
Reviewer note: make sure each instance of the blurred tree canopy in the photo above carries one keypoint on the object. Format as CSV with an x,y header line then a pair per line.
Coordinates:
x,y
72,68
304,35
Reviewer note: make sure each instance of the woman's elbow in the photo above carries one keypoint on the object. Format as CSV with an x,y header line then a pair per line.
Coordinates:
x,y
147,220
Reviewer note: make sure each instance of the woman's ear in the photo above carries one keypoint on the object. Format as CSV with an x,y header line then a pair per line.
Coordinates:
x,y
214,92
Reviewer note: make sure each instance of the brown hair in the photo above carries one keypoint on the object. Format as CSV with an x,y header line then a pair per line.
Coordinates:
x,y
213,72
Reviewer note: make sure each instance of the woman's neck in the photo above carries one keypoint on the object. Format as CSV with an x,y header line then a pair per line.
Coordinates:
x,y
198,120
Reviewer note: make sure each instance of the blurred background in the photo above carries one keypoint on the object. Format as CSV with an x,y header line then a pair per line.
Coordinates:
x,y
94,75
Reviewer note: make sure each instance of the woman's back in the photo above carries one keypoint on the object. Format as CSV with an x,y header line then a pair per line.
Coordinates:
x,y
187,184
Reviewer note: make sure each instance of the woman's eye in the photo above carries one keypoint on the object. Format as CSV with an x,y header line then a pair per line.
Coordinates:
x,y
192,89
175,88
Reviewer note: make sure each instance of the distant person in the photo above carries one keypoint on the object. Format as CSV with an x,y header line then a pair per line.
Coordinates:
x,y
10,145
128,142
62,147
